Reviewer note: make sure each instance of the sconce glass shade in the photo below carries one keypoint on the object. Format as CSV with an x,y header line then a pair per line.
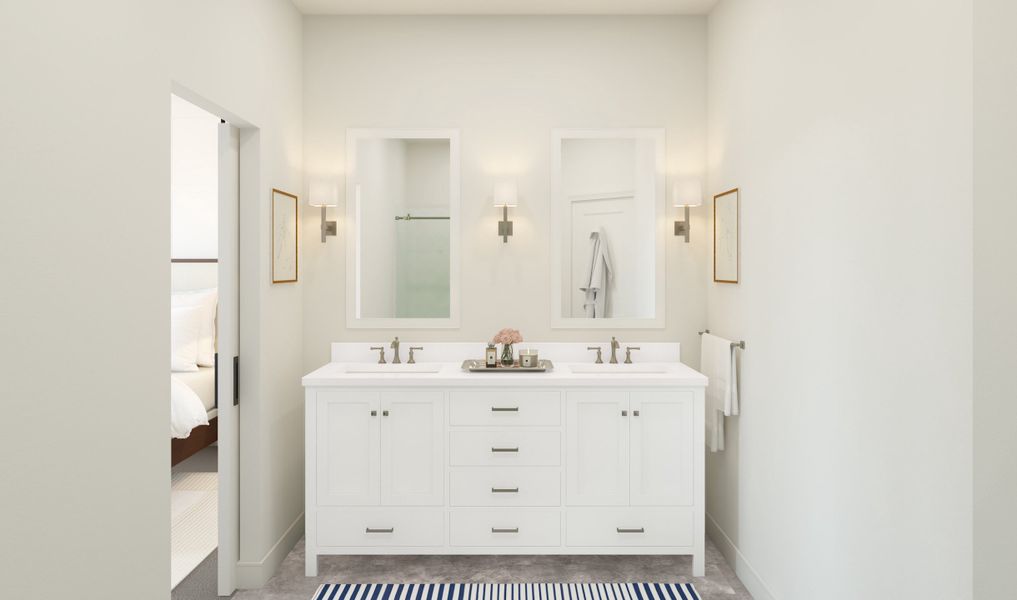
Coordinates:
x,y
506,194
323,193
687,192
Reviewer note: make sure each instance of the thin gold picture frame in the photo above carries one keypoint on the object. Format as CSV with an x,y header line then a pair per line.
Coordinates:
x,y
276,193
737,239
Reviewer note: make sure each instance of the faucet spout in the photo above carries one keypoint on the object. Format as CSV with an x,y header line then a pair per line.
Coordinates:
x,y
615,345
395,347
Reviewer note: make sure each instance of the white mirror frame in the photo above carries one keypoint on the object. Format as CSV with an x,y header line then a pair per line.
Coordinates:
x,y
559,222
352,227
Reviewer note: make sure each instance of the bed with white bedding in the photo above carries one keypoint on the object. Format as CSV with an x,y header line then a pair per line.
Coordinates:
x,y
202,382
193,413
192,401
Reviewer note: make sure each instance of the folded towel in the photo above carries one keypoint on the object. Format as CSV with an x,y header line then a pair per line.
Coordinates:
x,y
719,362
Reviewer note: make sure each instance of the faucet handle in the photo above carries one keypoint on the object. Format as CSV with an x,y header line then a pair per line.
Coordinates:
x,y
381,355
600,357
411,359
628,353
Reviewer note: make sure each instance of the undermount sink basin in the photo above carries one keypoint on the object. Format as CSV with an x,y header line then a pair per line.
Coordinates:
x,y
394,369
620,369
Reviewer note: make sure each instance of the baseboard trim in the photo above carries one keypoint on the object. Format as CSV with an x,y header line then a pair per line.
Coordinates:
x,y
251,575
748,575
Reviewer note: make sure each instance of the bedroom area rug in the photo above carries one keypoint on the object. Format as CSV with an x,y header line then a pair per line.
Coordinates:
x,y
194,524
513,591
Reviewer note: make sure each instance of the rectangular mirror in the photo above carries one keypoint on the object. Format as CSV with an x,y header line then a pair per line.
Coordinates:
x,y
607,228
402,215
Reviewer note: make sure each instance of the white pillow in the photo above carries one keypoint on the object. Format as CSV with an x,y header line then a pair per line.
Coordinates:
x,y
185,323
207,300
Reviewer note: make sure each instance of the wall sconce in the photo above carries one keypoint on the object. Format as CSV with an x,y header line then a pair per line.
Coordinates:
x,y
686,193
322,195
505,195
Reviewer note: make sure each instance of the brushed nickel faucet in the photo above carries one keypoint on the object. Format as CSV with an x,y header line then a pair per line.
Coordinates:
x,y
628,353
411,360
614,350
381,353
600,357
395,346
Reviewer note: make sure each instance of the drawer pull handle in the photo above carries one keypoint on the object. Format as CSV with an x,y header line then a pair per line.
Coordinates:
x,y
376,530
496,490
624,530
516,449
504,530
504,409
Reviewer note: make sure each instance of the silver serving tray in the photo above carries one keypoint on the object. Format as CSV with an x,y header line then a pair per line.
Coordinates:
x,y
478,366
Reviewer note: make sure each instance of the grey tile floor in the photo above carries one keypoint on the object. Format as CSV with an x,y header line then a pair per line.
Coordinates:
x,y
720,582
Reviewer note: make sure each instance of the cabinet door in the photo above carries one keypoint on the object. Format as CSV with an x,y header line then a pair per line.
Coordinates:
x,y
661,448
597,449
412,448
348,457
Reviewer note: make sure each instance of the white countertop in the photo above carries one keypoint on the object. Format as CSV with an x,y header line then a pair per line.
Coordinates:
x,y
450,374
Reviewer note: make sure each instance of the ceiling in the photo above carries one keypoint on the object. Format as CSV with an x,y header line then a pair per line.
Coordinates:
x,y
504,7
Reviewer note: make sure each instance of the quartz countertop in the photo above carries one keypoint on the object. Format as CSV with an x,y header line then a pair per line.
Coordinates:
x,y
451,374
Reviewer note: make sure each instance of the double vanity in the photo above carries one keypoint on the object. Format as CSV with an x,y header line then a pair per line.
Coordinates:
x,y
426,458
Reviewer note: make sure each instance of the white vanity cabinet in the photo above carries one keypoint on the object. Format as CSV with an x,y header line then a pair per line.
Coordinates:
x,y
446,463
379,448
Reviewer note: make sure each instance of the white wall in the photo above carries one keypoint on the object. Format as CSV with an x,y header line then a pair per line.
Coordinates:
x,y
847,126
995,298
84,339
505,82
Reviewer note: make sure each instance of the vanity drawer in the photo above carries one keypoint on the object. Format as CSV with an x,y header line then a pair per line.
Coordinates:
x,y
629,526
497,408
505,486
509,447
381,526
499,527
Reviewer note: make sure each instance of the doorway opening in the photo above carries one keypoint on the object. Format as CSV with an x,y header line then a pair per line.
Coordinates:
x,y
204,336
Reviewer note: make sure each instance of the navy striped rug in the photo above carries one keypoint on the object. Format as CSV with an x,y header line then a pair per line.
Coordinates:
x,y
506,591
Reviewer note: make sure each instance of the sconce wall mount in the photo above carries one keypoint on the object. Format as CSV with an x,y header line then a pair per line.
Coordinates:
x,y
686,194
505,195
323,195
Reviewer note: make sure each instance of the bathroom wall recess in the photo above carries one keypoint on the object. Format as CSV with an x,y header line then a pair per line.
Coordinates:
x,y
390,72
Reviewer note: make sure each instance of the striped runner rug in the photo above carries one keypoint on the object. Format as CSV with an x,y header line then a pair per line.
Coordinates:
x,y
506,591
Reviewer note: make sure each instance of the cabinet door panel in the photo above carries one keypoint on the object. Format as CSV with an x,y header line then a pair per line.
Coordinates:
x,y
412,450
597,454
348,461
661,448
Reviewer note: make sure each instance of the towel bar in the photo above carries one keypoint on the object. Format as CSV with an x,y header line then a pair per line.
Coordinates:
x,y
739,344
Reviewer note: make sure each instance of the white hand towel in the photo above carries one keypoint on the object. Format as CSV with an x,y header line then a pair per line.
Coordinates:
x,y
718,361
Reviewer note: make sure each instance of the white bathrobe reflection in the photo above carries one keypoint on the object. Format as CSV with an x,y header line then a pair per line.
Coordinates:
x,y
598,276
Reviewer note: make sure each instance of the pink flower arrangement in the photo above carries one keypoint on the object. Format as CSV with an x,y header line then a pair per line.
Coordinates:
x,y
507,336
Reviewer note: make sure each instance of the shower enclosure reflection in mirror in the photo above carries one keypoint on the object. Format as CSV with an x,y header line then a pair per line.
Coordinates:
x,y
402,207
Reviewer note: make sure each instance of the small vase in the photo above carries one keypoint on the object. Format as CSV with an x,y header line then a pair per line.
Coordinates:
x,y
506,355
